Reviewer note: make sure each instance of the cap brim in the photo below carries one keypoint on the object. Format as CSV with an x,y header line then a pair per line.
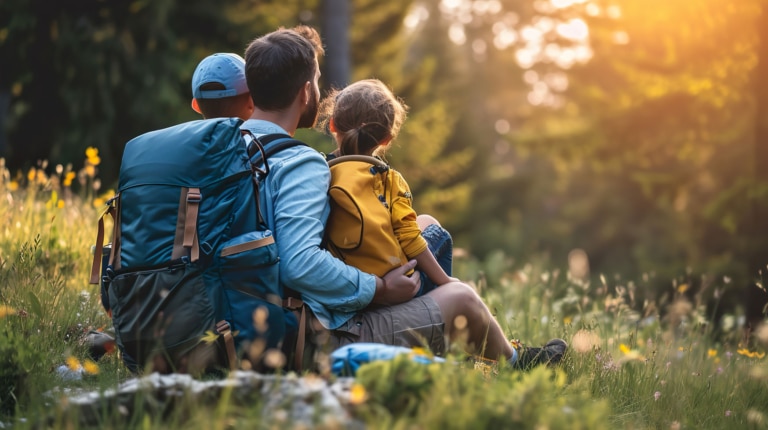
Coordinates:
x,y
195,107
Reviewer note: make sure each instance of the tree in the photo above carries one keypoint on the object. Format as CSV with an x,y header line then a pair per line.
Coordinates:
x,y
95,74
652,152
335,30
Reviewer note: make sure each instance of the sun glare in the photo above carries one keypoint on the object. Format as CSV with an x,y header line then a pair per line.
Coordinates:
x,y
456,34
575,30
562,4
550,38
416,17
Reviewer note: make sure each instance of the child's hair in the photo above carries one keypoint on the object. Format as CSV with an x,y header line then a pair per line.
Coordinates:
x,y
364,114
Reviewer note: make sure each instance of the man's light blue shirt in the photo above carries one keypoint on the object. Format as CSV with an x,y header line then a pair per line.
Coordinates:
x,y
294,201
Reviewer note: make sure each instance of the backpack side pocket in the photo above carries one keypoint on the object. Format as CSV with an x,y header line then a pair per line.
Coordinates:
x,y
249,269
163,313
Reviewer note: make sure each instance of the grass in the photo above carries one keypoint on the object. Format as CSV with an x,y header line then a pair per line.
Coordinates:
x,y
650,364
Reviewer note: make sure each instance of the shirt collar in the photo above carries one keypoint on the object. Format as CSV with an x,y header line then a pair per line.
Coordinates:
x,y
261,127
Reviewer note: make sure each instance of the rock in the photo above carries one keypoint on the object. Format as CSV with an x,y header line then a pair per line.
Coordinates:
x,y
308,401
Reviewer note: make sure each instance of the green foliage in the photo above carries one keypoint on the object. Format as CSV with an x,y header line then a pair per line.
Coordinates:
x,y
101,73
402,392
46,304
650,164
18,358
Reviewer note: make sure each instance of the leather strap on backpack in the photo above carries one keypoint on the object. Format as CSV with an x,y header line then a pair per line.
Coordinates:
x,y
185,241
190,223
99,247
225,331
298,306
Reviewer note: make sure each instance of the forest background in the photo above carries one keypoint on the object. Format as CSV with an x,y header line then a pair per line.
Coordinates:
x,y
630,132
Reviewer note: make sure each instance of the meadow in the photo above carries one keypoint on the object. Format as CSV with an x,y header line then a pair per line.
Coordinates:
x,y
635,362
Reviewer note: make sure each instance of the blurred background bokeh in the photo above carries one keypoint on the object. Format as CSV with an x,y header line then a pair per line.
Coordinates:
x,y
630,135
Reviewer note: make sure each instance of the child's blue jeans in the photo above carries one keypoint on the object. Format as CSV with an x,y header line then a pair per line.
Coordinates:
x,y
441,245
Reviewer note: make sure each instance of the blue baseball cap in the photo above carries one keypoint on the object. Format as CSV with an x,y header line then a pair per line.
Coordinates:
x,y
225,68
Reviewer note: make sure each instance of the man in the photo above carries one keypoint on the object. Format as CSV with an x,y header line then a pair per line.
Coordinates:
x,y
219,89
282,74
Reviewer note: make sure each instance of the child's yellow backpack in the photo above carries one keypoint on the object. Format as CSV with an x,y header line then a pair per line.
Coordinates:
x,y
359,229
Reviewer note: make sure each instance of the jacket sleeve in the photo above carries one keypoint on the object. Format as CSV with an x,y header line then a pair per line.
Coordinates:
x,y
404,224
301,206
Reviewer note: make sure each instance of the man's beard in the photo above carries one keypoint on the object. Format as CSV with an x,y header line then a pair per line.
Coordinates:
x,y
309,116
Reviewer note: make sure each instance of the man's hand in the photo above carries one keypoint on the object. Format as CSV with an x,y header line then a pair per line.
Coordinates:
x,y
395,287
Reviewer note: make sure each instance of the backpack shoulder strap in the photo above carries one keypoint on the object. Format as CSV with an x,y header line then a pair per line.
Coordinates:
x,y
380,165
256,155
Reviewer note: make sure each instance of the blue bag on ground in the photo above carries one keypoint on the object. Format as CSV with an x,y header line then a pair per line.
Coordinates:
x,y
192,279
345,361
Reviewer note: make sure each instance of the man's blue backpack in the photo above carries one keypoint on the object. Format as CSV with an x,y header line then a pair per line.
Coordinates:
x,y
192,276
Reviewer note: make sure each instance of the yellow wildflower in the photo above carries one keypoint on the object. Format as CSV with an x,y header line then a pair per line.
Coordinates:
x,y
6,310
751,354
41,178
567,320
73,364
13,185
486,367
209,337
90,170
92,155
60,204
68,178
712,353
357,394
91,367
32,174
629,354
682,288
98,202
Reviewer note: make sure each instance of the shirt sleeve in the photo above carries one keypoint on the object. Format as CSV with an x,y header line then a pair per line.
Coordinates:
x,y
404,223
301,207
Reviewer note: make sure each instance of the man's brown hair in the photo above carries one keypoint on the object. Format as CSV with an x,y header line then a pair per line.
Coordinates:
x,y
278,64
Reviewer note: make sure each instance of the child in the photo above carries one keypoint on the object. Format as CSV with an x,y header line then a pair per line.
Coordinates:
x,y
219,89
372,224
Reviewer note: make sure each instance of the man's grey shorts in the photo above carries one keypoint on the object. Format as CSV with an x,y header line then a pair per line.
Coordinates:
x,y
417,322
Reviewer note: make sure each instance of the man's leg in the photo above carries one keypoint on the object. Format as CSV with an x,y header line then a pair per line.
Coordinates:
x,y
468,319
417,322
454,311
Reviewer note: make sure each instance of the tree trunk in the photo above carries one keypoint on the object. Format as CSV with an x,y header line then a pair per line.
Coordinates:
x,y
336,21
5,103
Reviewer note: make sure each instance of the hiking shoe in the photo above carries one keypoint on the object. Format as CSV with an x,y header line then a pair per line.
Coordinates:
x,y
551,353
